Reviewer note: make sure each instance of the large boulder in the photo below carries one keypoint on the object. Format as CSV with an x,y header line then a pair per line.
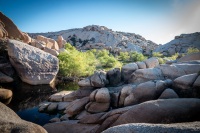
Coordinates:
x,y
168,93
143,75
33,65
189,57
187,85
127,70
11,29
99,101
99,79
151,62
70,127
11,122
162,111
76,106
61,42
187,127
114,76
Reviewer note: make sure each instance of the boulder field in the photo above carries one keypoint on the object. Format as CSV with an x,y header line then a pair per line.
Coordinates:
x,y
155,97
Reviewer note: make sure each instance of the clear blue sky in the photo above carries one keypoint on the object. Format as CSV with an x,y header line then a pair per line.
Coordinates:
x,y
156,20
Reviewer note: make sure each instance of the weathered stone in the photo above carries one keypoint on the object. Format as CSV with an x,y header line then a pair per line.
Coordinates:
x,y
5,95
141,65
151,62
127,70
197,82
185,82
114,76
115,99
143,75
76,106
58,97
27,38
51,51
68,126
32,65
187,127
5,79
11,28
126,90
11,122
143,92
85,82
43,106
82,114
176,110
64,118
54,120
61,42
189,57
94,107
168,93
98,79
52,107
91,118
102,96
63,105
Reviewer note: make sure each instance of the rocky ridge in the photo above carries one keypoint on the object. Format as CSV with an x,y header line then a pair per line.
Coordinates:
x,y
98,37
180,44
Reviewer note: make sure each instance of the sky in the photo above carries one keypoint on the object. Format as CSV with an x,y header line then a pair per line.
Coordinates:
x,y
155,20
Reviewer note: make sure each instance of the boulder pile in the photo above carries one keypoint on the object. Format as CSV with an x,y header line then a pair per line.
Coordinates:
x,y
152,94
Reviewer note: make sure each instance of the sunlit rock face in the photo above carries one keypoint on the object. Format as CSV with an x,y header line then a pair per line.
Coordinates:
x,y
33,65
99,37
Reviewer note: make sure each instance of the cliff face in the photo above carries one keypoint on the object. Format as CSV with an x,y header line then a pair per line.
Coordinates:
x,y
97,37
180,44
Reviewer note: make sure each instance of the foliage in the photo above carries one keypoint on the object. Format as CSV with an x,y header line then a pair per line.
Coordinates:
x,y
124,56
105,59
192,50
135,56
76,64
157,54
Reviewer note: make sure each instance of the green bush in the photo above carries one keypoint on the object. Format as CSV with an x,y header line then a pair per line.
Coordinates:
x,y
135,56
76,64
192,50
157,54
124,57
105,59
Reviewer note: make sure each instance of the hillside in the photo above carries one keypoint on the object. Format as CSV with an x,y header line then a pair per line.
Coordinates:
x,y
97,37
180,44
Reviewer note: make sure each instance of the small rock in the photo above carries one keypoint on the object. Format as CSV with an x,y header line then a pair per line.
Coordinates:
x,y
54,120
168,93
52,107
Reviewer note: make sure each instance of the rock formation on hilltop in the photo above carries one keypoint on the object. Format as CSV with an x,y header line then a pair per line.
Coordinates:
x,y
180,44
97,37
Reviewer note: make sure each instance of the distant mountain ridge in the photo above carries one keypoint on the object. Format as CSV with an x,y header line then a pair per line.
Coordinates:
x,y
180,44
97,37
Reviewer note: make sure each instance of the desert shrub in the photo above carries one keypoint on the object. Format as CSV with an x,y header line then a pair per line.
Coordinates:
x,y
157,54
105,59
192,50
135,56
76,64
124,57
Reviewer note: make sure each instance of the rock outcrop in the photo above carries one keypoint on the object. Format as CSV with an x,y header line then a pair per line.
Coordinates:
x,y
98,37
11,122
165,71
180,44
32,65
